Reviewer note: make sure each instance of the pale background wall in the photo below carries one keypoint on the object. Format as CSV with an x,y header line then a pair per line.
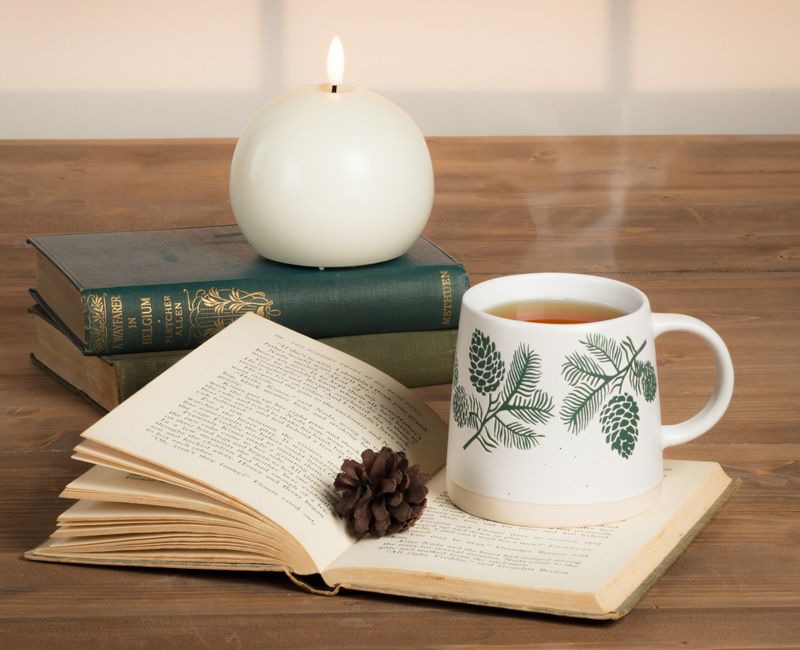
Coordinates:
x,y
181,68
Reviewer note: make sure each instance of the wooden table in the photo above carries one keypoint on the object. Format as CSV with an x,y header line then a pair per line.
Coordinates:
x,y
706,226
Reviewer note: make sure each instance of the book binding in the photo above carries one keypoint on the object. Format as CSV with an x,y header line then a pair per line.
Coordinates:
x,y
173,317
145,291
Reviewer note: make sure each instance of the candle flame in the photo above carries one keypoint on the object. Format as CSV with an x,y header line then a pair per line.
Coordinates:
x,y
335,62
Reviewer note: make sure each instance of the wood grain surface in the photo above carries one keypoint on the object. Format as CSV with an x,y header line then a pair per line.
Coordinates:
x,y
708,226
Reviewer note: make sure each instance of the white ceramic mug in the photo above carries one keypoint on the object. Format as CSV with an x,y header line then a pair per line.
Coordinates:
x,y
560,425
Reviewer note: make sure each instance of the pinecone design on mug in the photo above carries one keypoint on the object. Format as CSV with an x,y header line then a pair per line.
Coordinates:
x,y
515,407
460,407
620,422
486,368
649,381
603,369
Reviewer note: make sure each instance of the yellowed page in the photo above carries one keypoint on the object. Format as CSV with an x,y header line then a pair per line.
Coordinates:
x,y
266,416
176,558
89,451
104,483
107,512
95,517
449,542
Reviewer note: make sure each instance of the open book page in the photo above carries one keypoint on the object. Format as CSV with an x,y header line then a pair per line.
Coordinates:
x,y
449,542
195,558
102,455
106,484
111,518
266,416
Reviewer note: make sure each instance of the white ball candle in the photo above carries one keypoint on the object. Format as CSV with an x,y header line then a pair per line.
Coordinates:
x,y
331,175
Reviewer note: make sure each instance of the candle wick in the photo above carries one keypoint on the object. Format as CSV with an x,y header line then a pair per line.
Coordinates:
x,y
333,88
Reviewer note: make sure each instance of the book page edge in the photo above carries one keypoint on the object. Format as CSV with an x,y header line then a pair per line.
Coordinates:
x,y
636,595
40,554
596,614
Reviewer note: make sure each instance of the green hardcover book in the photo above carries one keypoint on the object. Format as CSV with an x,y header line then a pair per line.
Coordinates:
x,y
412,358
172,289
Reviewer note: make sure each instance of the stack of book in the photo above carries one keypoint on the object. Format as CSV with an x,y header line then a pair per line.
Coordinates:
x,y
114,310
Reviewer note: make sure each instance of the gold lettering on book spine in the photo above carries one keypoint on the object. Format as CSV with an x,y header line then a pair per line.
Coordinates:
x,y
96,322
213,309
447,297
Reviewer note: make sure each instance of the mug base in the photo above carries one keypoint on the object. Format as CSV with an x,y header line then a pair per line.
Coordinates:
x,y
543,515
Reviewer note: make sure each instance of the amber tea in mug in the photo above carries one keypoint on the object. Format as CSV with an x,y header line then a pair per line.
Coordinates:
x,y
555,312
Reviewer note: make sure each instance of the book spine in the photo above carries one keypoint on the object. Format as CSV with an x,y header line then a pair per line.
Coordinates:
x,y
412,358
325,304
133,371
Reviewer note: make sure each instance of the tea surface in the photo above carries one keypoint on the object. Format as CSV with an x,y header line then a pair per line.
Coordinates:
x,y
555,312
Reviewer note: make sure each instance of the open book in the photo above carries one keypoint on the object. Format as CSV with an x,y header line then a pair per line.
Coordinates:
x,y
227,461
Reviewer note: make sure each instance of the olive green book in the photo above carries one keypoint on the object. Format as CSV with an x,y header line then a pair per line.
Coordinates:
x,y
227,460
412,358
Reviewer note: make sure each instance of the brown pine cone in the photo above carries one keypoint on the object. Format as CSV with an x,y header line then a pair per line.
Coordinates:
x,y
380,495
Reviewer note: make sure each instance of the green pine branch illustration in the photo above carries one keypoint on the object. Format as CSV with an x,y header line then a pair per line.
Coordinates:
x,y
604,370
512,410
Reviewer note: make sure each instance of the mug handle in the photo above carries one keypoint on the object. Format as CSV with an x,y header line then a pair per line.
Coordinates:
x,y
676,434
